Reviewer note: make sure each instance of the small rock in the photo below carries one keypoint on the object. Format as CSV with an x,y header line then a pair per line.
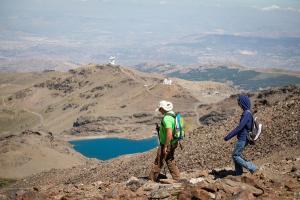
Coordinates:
x,y
228,189
196,180
66,197
199,193
3,197
97,183
167,181
294,168
297,174
290,185
173,189
221,195
236,187
133,184
289,161
210,188
78,186
183,195
132,179
19,193
149,186
159,194
68,189
276,183
32,196
203,174
244,195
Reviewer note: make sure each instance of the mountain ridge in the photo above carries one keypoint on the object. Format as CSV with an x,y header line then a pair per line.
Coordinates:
x,y
63,101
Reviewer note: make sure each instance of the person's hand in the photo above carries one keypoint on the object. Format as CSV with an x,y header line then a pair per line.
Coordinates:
x,y
157,128
165,151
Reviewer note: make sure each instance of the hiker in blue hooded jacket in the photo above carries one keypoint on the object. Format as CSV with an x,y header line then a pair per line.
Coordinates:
x,y
241,131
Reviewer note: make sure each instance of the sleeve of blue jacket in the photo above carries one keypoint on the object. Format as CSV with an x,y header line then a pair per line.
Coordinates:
x,y
234,132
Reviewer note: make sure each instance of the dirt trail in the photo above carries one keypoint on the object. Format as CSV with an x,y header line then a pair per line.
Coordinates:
x,y
36,114
3,102
27,110
148,88
127,73
196,105
145,86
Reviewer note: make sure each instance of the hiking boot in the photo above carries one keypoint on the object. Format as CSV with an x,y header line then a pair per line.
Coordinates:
x,y
154,173
174,171
255,171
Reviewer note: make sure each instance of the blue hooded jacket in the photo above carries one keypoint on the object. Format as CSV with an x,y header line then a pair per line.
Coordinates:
x,y
245,125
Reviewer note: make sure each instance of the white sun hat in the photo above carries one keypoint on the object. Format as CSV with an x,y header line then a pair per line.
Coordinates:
x,y
166,105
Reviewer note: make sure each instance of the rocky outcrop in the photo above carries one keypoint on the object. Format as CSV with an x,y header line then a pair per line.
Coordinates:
x,y
193,185
87,106
64,85
213,117
20,94
132,124
70,106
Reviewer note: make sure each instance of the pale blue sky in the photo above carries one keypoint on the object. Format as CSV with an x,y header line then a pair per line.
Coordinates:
x,y
158,16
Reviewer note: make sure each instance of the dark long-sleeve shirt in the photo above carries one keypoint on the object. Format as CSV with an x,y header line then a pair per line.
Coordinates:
x,y
245,125
242,130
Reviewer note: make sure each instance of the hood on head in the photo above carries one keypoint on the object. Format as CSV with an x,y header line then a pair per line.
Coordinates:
x,y
244,102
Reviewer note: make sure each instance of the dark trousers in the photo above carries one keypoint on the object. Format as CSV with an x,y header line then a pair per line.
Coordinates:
x,y
169,159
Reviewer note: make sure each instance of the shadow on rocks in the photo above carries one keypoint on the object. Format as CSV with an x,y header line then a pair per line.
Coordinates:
x,y
222,173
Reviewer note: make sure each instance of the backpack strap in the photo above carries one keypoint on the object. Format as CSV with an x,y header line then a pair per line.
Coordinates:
x,y
253,123
170,114
249,112
174,116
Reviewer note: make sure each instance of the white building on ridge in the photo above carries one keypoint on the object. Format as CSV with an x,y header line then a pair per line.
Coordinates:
x,y
167,81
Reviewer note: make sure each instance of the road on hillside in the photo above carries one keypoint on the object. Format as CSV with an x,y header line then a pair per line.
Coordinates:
x,y
27,110
148,88
36,114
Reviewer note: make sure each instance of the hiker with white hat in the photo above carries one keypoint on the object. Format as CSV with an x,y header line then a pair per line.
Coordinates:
x,y
168,145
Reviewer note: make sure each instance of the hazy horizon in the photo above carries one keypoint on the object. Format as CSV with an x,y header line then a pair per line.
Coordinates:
x,y
150,30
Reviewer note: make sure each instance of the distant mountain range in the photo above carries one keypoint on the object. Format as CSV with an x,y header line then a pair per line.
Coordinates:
x,y
221,49
247,79
257,52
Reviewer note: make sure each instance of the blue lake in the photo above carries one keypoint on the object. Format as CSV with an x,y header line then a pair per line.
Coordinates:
x,y
107,148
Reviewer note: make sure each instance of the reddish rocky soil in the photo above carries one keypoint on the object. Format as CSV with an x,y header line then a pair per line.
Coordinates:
x,y
205,161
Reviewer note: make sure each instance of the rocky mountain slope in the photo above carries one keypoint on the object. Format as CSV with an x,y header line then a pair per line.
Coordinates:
x,y
32,152
90,100
204,161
